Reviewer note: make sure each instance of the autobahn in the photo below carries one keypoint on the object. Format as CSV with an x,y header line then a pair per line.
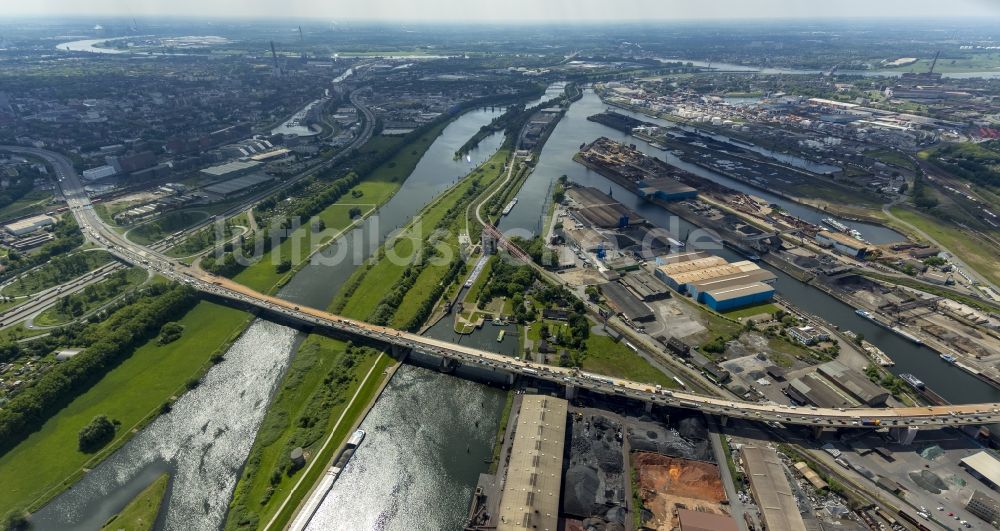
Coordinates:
x,y
222,288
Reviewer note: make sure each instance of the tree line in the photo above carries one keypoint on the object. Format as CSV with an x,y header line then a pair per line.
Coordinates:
x,y
105,344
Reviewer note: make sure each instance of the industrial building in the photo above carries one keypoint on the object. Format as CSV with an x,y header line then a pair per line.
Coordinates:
x,y
701,521
843,244
530,498
667,189
808,335
599,209
29,225
626,303
229,170
854,383
726,299
811,476
99,172
274,154
698,289
711,280
985,507
770,488
833,385
810,389
983,467
237,186
645,286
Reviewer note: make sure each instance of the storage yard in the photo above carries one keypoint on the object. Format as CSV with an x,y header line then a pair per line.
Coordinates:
x,y
667,484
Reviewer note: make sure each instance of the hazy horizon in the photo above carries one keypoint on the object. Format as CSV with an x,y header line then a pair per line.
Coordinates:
x,y
513,11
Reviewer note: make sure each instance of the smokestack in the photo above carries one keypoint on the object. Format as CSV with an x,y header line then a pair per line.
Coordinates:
x,y
274,55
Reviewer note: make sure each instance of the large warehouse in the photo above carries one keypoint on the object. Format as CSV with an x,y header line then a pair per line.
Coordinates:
x,y
230,170
835,385
983,467
530,498
842,243
770,488
599,209
626,303
711,280
667,189
237,186
725,299
28,225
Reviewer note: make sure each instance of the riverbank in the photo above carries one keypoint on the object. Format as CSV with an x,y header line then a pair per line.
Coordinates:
x,y
372,192
321,373
135,393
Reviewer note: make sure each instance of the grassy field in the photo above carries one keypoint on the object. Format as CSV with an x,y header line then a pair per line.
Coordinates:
x,y
57,315
891,157
205,239
605,356
751,311
305,392
140,513
372,281
48,275
132,393
973,62
166,225
33,201
978,254
17,332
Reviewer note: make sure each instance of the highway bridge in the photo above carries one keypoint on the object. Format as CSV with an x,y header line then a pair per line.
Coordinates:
x,y
573,380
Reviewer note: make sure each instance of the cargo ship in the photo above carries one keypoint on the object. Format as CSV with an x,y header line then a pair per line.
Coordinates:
x,y
836,224
746,253
915,382
877,355
356,438
500,335
907,335
510,206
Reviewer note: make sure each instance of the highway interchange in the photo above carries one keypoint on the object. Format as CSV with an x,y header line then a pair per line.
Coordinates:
x,y
152,259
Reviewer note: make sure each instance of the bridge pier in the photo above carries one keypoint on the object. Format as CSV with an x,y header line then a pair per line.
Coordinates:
x,y
398,351
570,392
817,432
447,365
510,379
724,420
649,407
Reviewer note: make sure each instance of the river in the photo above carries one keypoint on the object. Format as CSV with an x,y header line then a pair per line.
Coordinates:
x,y
556,159
204,441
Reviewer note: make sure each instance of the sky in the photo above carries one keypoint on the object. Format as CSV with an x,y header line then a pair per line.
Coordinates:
x,y
510,10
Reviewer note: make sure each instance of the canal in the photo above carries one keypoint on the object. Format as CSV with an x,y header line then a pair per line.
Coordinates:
x,y
949,381
204,441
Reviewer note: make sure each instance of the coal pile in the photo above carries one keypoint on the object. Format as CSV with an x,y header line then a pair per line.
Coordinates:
x,y
595,484
689,440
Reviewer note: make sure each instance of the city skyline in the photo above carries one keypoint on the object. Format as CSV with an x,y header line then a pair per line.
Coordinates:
x,y
514,11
